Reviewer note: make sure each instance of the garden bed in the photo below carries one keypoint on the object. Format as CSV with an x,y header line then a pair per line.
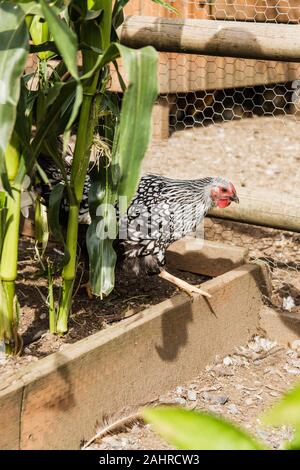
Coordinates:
x,y
131,295
59,400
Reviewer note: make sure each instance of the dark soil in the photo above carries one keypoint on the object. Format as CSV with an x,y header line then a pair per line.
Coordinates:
x,y
131,295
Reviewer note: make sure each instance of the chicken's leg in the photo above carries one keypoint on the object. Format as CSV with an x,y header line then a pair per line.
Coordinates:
x,y
183,285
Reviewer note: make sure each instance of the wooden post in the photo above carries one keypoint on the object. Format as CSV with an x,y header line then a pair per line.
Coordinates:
x,y
160,119
264,208
220,38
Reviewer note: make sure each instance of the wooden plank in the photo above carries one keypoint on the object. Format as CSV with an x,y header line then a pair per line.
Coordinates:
x,y
11,396
113,372
222,38
182,73
264,208
205,257
160,119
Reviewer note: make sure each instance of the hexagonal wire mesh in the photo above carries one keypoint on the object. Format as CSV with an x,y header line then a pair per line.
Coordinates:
x,y
237,118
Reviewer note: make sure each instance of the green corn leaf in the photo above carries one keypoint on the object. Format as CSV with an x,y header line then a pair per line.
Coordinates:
x,y
30,7
66,42
23,131
3,214
41,231
121,178
141,69
55,201
166,5
51,120
13,54
190,430
39,32
103,229
64,38
118,14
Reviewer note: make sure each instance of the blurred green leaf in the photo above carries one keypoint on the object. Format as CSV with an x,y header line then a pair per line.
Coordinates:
x,y
166,5
13,54
286,411
189,430
295,443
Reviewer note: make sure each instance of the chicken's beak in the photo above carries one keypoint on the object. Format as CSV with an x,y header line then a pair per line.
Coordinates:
x,y
234,198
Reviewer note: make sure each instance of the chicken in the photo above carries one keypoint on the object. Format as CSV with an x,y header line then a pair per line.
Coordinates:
x,y
163,210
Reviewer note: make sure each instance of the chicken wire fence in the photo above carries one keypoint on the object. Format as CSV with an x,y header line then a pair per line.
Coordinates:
x,y
238,118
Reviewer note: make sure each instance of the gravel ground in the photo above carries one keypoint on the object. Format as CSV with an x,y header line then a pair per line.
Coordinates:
x,y
238,387
258,152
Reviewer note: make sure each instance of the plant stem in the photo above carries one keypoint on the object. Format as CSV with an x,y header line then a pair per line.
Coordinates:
x,y
69,271
51,303
8,273
80,166
79,170
65,307
9,316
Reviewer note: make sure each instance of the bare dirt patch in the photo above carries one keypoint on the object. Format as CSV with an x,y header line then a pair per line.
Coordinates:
x,y
239,387
258,152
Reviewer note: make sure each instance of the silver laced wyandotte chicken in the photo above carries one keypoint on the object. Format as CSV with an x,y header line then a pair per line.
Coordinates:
x,y
163,210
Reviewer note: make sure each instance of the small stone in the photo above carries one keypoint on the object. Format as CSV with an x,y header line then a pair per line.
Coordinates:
x,y
296,345
43,316
262,434
192,395
275,394
124,442
180,400
292,370
295,363
227,361
233,409
179,390
288,303
108,439
215,399
168,401
248,401
222,371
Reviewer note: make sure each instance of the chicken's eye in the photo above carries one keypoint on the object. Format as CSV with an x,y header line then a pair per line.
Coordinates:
x,y
223,190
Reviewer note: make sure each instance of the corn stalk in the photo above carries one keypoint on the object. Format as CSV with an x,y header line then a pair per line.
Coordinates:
x,y
66,97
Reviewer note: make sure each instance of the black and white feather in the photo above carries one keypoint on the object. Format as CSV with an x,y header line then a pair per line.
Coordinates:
x,y
162,211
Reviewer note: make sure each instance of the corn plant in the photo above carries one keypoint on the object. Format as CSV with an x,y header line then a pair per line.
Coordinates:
x,y
68,95
191,430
